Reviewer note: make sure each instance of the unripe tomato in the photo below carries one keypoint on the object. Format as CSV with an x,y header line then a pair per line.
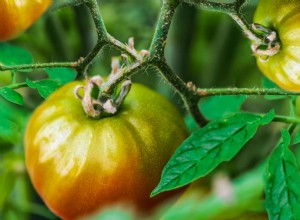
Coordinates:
x,y
78,164
5,77
17,15
283,16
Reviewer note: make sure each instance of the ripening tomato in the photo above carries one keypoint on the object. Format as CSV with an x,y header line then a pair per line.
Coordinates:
x,y
17,15
283,16
78,164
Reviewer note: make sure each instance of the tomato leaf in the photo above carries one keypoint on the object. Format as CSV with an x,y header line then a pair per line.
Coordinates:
x,y
12,55
44,87
207,147
62,75
282,180
296,139
11,95
190,123
222,106
246,195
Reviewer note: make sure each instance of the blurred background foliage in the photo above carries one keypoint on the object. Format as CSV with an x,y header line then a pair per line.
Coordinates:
x,y
205,47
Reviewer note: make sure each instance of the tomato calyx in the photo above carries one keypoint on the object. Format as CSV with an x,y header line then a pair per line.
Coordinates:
x,y
98,104
269,46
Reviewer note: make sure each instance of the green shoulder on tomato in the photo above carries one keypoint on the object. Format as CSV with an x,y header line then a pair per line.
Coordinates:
x,y
283,16
78,164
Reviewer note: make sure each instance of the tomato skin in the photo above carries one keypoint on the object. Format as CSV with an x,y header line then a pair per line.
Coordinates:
x,y
5,77
78,164
283,16
18,15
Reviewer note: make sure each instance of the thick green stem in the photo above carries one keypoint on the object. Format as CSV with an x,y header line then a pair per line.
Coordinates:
x,y
216,6
84,64
284,119
103,37
17,85
188,92
242,91
159,40
292,127
189,98
97,18
39,66
233,9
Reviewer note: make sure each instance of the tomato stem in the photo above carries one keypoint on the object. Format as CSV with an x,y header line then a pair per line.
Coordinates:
x,y
248,30
157,47
189,93
101,104
243,91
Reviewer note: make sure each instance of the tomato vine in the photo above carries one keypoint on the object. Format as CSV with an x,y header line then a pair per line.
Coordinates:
x,y
156,56
233,132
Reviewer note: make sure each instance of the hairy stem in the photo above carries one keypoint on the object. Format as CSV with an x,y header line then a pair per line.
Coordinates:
x,y
234,10
159,40
189,98
216,6
39,66
97,18
188,92
102,37
248,30
242,91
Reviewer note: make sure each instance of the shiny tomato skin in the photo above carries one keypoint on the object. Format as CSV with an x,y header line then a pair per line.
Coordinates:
x,y
283,16
17,15
79,165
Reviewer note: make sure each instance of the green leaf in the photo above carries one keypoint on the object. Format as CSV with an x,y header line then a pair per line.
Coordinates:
x,y
282,180
221,105
11,95
296,139
44,87
191,124
207,147
268,84
12,55
246,191
62,75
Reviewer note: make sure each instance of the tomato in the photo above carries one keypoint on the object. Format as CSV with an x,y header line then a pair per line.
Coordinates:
x,y
78,164
282,16
5,77
18,15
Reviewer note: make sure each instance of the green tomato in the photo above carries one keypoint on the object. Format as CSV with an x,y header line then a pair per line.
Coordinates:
x,y
78,164
5,77
283,16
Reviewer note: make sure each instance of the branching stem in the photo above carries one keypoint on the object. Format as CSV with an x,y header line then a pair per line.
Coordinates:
x,y
189,93
157,47
234,10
